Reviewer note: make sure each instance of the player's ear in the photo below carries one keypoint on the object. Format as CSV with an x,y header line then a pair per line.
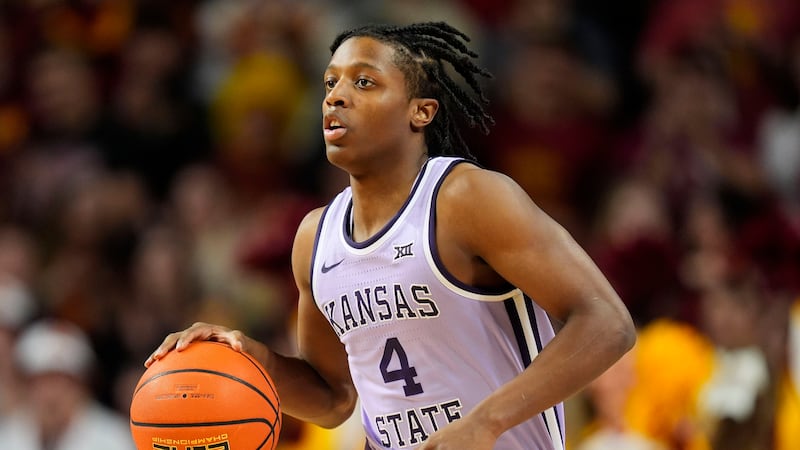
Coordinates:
x,y
423,111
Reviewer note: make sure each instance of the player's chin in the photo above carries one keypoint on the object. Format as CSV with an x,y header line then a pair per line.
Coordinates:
x,y
332,147
336,141
337,155
347,161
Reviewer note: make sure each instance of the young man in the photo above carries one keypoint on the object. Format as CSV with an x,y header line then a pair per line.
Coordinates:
x,y
427,286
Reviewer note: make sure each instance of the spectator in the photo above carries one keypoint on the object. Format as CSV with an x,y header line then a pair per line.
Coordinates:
x,y
688,140
16,308
546,138
154,127
787,420
56,360
608,395
633,229
673,362
738,399
779,139
19,266
63,97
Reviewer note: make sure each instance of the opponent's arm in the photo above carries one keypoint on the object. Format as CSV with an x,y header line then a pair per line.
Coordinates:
x,y
315,386
489,218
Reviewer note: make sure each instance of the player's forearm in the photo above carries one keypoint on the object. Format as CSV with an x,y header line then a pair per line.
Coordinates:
x,y
590,342
304,393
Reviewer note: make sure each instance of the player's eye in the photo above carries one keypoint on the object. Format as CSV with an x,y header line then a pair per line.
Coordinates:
x,y
329,83
363,83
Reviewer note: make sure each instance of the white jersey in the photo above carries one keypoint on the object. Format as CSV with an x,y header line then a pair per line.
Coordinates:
x,y
423,348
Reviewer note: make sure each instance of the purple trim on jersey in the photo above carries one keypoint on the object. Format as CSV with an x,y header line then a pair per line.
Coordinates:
x,y
558,422
516,324
544,421
316,244
525,354
349,211
534,323
435,249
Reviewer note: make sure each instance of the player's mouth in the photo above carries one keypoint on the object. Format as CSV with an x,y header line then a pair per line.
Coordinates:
x,y
333,127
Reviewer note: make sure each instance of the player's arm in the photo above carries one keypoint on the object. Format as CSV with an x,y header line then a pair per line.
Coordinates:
x,y
492,220
315,386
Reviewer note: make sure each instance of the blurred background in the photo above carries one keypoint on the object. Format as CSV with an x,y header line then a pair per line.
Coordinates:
x,y
157,156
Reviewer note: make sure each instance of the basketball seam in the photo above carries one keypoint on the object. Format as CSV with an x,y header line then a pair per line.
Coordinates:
x,y
211,372
263,373
199,424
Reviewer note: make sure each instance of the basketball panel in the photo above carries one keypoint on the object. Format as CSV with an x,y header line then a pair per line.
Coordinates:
x,y
191,395
207,396
215,356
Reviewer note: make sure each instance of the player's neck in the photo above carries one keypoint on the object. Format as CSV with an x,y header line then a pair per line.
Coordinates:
x,y
376,199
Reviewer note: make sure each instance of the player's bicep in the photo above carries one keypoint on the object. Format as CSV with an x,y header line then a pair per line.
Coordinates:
x,y
317,343
502,225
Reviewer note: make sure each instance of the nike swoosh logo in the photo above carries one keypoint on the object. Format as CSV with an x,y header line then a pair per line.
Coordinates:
x,y
326,269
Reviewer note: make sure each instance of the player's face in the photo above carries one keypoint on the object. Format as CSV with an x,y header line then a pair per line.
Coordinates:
x,y
366,109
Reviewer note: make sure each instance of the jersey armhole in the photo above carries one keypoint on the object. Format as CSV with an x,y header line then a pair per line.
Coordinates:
x,y
435,261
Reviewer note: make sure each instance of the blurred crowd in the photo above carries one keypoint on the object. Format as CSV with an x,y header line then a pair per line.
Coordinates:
x,y
157,156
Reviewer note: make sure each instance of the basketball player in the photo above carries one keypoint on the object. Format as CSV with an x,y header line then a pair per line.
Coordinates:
x,y
428,286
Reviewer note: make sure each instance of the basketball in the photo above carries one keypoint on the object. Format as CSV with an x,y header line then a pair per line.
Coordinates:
x,y
207,396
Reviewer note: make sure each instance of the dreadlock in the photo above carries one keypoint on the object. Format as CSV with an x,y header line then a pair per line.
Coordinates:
x,y
421,50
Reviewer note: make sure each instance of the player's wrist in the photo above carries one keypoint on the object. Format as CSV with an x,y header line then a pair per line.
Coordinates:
x,y
257,350
487,420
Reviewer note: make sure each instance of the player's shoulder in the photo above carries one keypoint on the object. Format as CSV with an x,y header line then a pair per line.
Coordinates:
x,y
308,226
303,246
468,183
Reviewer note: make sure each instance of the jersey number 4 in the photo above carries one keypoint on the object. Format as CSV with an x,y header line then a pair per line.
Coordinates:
x,y
405,373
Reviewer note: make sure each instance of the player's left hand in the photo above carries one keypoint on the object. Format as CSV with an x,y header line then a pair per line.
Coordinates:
x,y
459,435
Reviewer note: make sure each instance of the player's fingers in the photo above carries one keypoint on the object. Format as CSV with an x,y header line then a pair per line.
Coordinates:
x,y
199,331
232,338
166,345
180,339
207,332
236,340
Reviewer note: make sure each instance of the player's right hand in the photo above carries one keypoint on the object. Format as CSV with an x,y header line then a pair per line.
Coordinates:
x,y
199,331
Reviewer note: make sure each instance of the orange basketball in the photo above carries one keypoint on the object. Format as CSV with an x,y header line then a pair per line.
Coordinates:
x,y
207,396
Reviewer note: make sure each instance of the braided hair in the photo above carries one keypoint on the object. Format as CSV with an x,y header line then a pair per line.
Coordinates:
x,y
421,50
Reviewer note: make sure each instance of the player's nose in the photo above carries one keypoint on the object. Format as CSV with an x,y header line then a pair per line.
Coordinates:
x,y
337,96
